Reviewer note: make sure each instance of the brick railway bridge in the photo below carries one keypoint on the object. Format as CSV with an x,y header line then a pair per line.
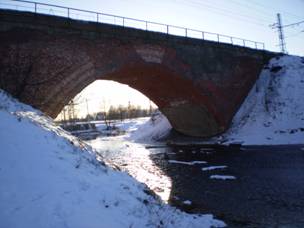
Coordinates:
x,y
197,84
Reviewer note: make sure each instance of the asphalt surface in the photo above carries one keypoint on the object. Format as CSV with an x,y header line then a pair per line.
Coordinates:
x,y
268,190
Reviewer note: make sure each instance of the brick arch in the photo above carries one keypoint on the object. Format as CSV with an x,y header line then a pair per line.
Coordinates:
x,y
199,85
176,97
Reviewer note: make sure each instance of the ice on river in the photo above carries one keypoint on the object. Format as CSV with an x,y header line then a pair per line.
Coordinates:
x,y
222,177
187,202
214,167
187,163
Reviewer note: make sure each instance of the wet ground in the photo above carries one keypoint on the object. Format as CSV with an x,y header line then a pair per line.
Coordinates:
x,y
265,189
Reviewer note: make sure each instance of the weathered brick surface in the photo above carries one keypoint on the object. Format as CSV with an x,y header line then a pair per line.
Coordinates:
x,y
199,85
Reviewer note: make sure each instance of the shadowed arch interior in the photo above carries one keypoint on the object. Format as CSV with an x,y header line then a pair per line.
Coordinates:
x,y
163,87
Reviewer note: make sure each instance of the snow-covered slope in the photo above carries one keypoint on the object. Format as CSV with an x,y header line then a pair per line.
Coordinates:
x,y
156,128
50,179
273,112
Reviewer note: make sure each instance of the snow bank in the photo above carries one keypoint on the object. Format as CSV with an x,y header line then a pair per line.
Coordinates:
x,y
154,129
50,179
273,112
127,125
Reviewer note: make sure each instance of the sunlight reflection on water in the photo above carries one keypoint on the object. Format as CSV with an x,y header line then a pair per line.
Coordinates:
x,y
135,159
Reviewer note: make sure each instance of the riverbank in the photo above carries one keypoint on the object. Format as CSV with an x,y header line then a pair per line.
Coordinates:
x,y
51,179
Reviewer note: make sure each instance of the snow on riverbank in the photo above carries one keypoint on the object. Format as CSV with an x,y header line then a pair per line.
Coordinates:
x,y
50,179
127,125
273,112
156,128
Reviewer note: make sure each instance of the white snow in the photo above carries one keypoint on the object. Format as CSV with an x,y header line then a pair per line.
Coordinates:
x,y
187,202
127,125
152,130
50,179
273,112
135,159
222,177
187,163
214,167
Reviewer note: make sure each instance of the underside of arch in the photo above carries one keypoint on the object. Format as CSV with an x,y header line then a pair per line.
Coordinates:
x,y
188,111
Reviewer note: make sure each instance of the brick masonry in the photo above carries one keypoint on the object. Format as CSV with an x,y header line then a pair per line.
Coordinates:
x,y
199,85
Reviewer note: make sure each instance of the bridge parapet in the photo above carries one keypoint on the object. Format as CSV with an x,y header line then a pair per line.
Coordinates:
x,y
98,17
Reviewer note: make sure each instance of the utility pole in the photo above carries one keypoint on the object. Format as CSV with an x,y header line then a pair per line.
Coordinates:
x,y
64,114
129,109
150,107
279,26
71,111
281,34
88,113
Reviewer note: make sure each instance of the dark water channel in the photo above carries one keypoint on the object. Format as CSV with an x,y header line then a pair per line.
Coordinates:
x,y
268,190
265,185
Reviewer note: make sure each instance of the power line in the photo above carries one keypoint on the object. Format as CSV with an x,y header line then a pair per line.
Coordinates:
x,y
234,11
268,6
293,24
263,12
227,13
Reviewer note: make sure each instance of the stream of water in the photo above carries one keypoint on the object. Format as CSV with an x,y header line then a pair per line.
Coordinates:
x,y
251,187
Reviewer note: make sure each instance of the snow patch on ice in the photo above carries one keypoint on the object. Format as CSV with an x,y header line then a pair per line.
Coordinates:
x,y
214,167
187,202
187,163
222,177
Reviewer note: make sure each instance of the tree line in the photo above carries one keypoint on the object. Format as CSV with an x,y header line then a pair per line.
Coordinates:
x,y
120,112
